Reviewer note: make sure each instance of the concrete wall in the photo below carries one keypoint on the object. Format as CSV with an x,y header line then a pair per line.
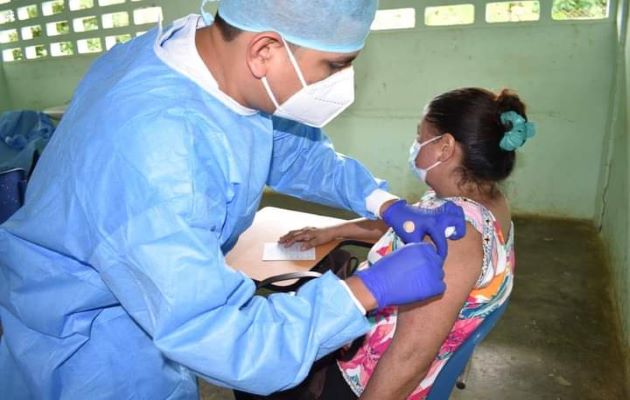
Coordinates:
x,y
5,102
562,69
44,83
48,82
615,184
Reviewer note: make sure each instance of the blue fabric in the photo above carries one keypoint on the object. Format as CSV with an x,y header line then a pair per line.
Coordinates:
x,y
113,282
22,133
12,185
304,164
325,25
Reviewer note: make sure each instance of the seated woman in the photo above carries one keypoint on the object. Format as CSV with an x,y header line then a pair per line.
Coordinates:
x,y
465,147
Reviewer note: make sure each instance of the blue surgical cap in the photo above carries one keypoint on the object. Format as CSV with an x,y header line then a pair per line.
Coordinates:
x,y
339,26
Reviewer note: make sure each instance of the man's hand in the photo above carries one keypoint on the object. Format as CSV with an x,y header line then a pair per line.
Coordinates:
x,y
412,273
412,224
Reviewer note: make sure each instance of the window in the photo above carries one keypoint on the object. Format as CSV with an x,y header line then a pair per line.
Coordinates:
x,y
27,12
12,54
37,51
109,2
57,28
6,16
85,24
92,45
115,20
53,7
579,9
111,41
61,49
80,4
9,36
31,32
460,14
148,15
513,11
401,18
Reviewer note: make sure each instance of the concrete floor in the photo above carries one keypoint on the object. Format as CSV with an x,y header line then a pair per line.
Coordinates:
x,y
558,338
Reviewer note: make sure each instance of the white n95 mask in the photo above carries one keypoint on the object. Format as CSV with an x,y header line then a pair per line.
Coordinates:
x,y
317,104
414,151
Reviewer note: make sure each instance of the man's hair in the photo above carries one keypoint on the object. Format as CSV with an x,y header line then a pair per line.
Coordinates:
x,y
228,31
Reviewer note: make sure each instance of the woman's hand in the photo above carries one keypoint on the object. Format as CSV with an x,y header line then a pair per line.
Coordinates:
x,y
309,237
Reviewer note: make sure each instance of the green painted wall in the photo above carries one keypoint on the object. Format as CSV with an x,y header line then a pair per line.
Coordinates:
x,y
44,83
615,184
623,269
5,103
48,82
562,69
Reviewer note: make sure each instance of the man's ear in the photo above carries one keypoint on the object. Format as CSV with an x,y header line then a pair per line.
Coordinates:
x,y
260,52
447,147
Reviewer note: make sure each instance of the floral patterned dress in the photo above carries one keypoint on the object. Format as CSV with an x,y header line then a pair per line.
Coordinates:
x,y
491,290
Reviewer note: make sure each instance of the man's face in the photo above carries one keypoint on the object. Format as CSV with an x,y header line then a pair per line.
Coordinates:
x,y
315,66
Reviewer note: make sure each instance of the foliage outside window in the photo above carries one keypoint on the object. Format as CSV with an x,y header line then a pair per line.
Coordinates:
x,y
513,11
27,12
399,18
9,36
460,14
579,9
61,49
80,4
21,39
13,54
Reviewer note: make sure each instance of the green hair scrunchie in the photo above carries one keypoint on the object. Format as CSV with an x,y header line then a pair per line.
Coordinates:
x,y
520,132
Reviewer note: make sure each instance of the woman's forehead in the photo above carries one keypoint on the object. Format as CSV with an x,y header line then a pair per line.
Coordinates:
x,y
422,128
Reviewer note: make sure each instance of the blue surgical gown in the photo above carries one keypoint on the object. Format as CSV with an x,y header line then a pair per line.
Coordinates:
x,y
113,282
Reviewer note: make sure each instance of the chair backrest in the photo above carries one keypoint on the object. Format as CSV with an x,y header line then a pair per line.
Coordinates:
x,y
446,379
12,187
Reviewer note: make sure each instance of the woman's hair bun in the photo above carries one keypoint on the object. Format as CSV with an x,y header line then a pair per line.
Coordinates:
x,y
509,101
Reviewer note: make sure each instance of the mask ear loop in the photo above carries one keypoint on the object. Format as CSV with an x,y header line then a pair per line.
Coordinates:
x,y
428,141
296,66
272,97
421,145
435,164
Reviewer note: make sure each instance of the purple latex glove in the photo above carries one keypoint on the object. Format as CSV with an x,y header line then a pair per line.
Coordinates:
x,y
410,274
412,224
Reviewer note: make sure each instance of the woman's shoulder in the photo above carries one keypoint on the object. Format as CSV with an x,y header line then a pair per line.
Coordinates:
x,y
478,215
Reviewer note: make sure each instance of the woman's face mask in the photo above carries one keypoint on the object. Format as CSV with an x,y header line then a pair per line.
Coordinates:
x,y
316,104
414,151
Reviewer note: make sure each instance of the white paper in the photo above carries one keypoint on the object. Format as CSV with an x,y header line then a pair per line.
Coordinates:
x,y
277,252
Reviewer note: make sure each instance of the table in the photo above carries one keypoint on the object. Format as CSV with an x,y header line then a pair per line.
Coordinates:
x,y
56,112
270,223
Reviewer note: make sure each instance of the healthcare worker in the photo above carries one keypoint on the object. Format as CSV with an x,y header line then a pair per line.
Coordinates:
x,y
113,283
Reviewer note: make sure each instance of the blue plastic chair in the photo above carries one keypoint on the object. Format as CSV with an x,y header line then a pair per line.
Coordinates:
x,y
12,187
449,376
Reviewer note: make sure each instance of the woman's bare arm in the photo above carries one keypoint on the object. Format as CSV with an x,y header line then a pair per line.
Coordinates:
x,y
422,328
358,229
